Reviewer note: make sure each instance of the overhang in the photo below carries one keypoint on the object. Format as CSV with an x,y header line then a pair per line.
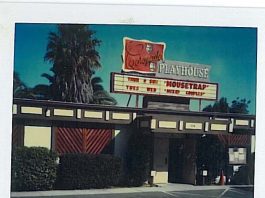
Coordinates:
x,y
51,113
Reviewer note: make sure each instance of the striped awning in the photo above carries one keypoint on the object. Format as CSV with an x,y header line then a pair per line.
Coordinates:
x,y
235,140
82,140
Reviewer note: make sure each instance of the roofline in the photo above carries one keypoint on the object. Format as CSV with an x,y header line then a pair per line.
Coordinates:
x,y
130,109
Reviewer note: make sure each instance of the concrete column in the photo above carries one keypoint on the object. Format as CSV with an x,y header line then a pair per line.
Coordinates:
x,y
253,143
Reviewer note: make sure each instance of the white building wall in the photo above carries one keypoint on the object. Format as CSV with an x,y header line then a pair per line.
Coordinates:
x,y
253,143
37,136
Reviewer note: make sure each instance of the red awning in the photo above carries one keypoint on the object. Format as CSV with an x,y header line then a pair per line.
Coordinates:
x,y
235,140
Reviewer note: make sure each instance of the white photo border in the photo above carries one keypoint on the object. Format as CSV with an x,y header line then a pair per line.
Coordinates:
x,y
11,13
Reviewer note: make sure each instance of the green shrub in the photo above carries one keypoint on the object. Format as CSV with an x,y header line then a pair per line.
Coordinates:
x,y
85,171
138,159
211,155
33,169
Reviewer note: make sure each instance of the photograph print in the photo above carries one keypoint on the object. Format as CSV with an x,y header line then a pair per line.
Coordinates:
x,y
99,106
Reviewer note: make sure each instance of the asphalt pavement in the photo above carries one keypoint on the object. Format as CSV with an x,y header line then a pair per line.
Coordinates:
x,y
166,191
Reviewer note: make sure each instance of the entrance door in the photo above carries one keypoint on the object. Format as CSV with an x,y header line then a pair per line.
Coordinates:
x,y
182,161
160,160
189,162
175,165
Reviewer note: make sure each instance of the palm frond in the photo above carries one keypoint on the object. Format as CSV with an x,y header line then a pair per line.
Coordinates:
x,y
48,76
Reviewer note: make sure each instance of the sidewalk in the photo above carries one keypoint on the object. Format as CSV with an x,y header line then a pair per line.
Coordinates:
x,y
161,188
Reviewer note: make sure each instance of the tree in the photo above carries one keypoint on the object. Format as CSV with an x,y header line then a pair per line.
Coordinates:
x,y
72,51
138,158
42,92
219,106
101,96
239,106
20,90
211,155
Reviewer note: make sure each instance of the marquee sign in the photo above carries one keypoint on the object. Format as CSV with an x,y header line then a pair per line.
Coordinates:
x,y
183,71
141,55
143,85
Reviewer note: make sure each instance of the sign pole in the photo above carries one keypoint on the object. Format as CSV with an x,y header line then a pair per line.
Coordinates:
x,y
137,100
129,100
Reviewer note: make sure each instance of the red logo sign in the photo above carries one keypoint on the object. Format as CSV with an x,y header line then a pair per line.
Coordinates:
x,y
142,55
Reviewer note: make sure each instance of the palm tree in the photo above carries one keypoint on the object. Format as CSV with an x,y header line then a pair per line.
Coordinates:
x,y
101,96
42,92
20,90
72,51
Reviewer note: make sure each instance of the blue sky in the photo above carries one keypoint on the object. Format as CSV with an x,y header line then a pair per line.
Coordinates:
x,y
231,52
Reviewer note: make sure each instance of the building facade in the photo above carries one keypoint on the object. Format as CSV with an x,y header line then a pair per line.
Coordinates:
x,y
81,128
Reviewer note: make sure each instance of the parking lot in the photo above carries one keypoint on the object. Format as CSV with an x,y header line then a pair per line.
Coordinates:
x,y
228,192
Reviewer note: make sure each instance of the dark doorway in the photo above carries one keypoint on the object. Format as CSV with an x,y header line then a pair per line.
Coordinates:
x,y
175,165
182,161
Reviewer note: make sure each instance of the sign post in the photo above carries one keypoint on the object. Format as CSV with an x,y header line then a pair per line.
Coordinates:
x,y
200,105
136,100
129,100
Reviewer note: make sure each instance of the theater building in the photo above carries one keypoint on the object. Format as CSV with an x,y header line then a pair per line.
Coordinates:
x,y
167,87
67,127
